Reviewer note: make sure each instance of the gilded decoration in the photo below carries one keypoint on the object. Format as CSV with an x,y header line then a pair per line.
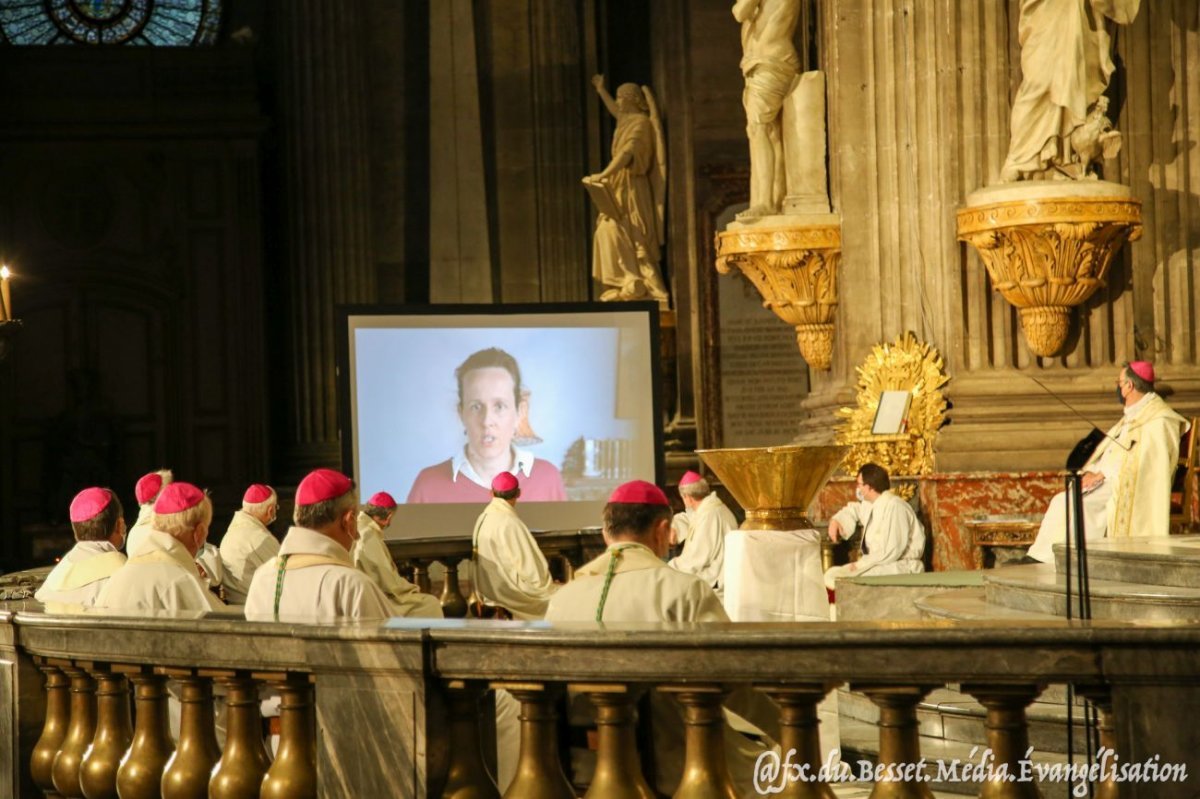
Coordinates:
x,y
1046,255
903,365
795,271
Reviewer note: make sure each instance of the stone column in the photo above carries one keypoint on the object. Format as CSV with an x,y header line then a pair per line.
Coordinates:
x,y
327,253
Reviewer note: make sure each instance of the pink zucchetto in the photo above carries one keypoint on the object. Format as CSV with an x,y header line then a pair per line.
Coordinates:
x,y
690,477
1143,369
382,500
256,493
505,481
639,492
321,485
147,488
178,497
89,503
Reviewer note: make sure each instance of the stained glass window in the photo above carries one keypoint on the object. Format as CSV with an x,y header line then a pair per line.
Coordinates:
x,y
161,23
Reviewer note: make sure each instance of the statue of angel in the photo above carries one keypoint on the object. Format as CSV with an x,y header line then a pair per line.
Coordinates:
x,y
630,195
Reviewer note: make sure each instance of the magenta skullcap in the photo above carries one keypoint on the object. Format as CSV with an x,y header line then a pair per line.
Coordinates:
x,y
147,488
639,492
321,485
1143,369
690,477
382,500
257,493
178,497
89,503
505,481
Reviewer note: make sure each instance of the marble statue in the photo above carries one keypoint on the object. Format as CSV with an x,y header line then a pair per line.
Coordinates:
x,y
630,194
1059,123
770,67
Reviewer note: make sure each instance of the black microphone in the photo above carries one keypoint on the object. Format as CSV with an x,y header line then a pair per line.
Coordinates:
x,y
1086,446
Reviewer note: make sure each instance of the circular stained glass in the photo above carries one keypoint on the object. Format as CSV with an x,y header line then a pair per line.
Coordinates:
x,y
162,23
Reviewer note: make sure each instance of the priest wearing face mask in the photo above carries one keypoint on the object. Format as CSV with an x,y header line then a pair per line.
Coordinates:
x,y
1127,481
893,540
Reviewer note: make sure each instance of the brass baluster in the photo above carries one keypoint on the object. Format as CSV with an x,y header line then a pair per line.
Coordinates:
x,y
54,731
244,763
799,733
1007,737
187,773
899,739
539,771
454,604
140,773
79,733
618,772
705,769
114,732
1099,695
467,777
293,775
421,576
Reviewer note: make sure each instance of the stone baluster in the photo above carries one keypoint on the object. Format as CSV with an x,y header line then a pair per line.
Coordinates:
x,y
54,731
244,761
80,731
705,769
293,775
467,776
454,604
539,770
899,739
618,773
798,732
1100,696
187,773
421,576
1007,736
114,732
140,774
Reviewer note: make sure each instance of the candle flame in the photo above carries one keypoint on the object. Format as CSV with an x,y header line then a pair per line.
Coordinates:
x,y
4,273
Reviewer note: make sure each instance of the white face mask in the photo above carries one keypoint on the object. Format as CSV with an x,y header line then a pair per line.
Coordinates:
x,y
858,492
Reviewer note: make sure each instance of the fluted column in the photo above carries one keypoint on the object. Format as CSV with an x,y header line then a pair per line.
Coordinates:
x,y
187,774
327,252
54,731
114,733
293,775
618,773
80,732
467,776
140,774
244,761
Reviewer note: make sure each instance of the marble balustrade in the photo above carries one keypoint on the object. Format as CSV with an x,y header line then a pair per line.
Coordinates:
x,y
395,710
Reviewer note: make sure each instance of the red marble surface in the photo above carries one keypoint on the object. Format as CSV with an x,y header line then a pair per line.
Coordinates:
x,y
948,500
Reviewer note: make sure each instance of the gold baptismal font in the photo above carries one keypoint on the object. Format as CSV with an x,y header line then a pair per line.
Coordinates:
x,y
775,485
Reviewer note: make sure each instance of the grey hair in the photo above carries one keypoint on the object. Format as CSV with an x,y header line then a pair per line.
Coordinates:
x,y
698,489
259,508
178,525
320,514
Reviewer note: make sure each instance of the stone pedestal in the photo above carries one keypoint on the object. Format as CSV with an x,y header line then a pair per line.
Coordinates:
x,y
793,262
1047,246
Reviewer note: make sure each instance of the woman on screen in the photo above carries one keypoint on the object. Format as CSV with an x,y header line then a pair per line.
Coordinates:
x,y
489,405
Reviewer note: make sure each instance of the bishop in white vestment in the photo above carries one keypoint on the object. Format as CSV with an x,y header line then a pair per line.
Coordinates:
x,y
709,520
99,527
248,543
370,554
146,490
893,540
1127,481
508,567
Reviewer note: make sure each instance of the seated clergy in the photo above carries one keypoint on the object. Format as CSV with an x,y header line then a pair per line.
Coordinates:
x,y
146,490
893,540
161,574
508,568
630,582
708,521
313,578
370,554
248,543
99,526
1127,481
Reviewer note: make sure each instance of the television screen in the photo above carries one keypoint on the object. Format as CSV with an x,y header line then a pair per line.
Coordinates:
x,y
437,400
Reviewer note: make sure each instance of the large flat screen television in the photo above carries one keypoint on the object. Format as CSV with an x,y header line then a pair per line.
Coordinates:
x,y
435,399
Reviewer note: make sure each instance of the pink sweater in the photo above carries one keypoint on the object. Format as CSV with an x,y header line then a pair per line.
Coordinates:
x,y
436,484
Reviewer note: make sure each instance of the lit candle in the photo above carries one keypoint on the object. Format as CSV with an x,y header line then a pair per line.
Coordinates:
x,y
5,295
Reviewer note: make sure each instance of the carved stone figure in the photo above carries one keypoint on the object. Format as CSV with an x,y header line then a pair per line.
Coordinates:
x,y
630,194
770,66
1059,123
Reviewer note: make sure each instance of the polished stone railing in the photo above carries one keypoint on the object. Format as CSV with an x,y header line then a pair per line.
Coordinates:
x,y
395,711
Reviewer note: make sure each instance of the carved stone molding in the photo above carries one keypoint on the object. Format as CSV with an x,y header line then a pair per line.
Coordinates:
x,y
1048,254
795,270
